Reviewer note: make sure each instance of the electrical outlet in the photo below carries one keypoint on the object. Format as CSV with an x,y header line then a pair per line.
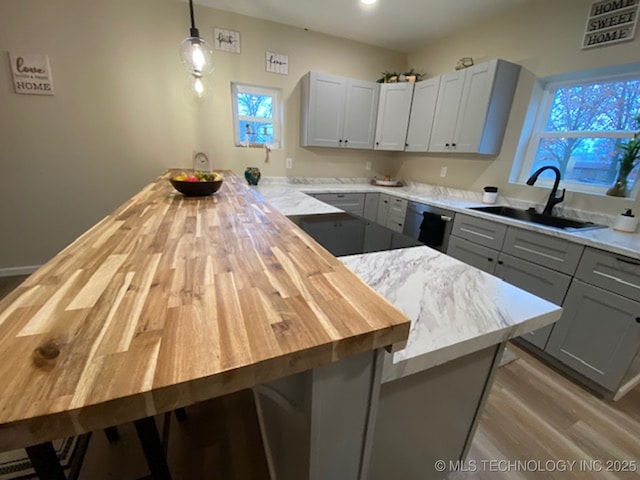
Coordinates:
x,y
289,162
367,165
443,172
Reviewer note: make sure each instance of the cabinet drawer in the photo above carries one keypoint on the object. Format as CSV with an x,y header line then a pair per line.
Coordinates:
x,y
397,207
612,272
478,230
349,202
395,222
545,250
472,254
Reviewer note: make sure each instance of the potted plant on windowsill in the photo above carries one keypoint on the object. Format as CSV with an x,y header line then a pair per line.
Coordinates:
x,y
627,161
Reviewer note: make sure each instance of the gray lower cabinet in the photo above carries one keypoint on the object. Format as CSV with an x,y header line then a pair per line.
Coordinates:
x,y
349,202
478,230
542,282
598,334
371,206
384,202
473,254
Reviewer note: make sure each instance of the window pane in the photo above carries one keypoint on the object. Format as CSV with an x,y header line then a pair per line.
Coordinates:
x,y
591,161
251,105
596,107
255,132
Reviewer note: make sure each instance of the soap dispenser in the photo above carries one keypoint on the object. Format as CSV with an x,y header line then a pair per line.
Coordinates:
x,y
626,222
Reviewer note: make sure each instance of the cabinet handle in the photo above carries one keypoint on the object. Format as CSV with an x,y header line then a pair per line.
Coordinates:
x,y
340,195
340,141
406,145
500,262
490,259
453,145
345,142
377,143
446,145
638,319
630,262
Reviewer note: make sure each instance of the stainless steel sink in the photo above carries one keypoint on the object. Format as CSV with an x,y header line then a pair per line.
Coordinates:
x,y
532,216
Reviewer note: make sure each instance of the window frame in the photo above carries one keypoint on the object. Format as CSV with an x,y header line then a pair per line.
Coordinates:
x,y
276,114
538,115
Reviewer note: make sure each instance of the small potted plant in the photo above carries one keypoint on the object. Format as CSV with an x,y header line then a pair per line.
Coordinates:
x,y
627,161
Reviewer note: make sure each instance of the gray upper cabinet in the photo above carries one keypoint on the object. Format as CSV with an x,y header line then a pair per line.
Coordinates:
x,y
423,107
478,230
598,334
552,252
337,111
393,116
473,108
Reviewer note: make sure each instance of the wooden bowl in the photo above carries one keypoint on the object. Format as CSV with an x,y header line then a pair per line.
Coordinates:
x,y
196,189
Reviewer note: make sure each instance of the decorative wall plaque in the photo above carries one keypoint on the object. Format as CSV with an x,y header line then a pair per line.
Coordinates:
x,y
610,21
277,63
226,40
31,74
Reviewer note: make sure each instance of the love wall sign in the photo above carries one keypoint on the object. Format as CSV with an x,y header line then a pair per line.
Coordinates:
x,y
31,74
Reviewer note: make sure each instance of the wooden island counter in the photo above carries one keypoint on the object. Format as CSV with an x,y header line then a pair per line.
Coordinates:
x,y
172,300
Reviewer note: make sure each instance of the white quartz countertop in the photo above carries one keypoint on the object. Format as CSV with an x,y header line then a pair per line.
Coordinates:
x,y
290,199
455,309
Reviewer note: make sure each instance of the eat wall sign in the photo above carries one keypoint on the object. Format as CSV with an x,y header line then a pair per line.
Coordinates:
x,y
31,74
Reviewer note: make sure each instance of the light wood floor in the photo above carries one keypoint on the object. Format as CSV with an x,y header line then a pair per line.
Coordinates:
x,y
534,414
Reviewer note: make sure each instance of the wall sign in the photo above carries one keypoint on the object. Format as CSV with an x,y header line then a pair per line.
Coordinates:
x,y
31,74
226,40
610,21
277,63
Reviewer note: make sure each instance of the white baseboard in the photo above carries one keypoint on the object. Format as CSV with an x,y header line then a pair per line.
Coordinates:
x,y
15,271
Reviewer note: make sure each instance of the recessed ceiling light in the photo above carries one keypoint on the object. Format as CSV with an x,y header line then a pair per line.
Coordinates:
x,y
368,2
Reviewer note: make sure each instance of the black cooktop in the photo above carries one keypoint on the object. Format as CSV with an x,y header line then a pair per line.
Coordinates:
x,y
348,234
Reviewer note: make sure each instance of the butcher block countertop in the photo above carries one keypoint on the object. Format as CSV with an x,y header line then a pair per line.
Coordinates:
x,y
172,300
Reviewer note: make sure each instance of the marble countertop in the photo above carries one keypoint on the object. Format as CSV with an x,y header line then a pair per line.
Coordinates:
x,y
466,309
288,196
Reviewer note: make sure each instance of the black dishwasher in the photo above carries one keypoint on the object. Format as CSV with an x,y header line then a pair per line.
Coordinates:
x,y
431,225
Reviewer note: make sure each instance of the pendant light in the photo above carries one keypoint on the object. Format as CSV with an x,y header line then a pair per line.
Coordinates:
x,y
195,52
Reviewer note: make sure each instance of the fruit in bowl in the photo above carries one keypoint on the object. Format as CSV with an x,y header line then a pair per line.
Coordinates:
x,y
195,184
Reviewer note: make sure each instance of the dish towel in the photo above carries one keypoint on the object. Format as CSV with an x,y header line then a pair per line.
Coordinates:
x,y
431,229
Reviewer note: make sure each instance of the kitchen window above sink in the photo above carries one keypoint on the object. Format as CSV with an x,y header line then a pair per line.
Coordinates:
x,y
531,216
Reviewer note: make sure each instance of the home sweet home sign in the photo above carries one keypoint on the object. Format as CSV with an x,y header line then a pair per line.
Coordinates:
x,y
610,21
31,74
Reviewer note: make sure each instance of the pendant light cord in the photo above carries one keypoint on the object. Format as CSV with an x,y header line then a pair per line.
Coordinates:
x,y
194,30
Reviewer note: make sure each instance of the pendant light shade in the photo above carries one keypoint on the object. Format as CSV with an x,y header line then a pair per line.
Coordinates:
x,y
195,53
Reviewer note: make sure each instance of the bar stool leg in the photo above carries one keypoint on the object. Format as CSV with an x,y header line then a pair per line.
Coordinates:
x,y
181,414
153,449
45,462
112,434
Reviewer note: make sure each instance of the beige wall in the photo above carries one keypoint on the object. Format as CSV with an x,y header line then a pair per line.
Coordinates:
x,y
120,115
544,37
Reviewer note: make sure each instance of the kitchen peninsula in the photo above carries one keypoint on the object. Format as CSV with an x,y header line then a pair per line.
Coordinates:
x,y
173,300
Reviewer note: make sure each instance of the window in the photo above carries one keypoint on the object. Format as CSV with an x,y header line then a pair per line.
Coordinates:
x,y
257,116
578,127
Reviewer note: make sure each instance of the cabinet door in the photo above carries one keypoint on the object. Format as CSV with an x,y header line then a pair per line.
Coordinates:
x,y
324,115
447,106
383,209
393,116
473,106
540,281
475,255
360,114
423,107
598,334
371,206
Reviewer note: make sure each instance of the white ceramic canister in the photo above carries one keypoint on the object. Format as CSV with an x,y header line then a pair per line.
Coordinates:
x,y
626,222
490,195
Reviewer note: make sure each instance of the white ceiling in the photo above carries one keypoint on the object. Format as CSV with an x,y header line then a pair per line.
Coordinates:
x,y
403,25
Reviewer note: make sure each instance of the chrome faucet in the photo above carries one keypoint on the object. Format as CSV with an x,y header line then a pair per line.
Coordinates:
x,y
553,199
